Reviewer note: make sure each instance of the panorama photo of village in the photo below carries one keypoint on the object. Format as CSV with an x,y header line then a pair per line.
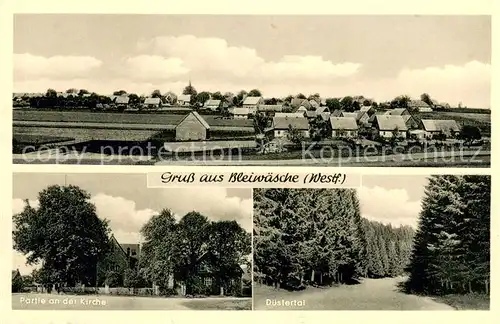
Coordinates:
x,y
396,243
195,90
106,242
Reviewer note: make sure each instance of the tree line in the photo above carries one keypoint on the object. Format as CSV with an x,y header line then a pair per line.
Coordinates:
x,y
318,237
451,251
74,246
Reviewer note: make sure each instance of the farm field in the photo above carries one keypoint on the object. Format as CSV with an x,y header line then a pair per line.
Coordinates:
x,y
106,302
120,118
482,121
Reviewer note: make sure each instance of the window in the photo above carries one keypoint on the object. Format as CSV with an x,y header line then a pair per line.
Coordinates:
x,y
207,281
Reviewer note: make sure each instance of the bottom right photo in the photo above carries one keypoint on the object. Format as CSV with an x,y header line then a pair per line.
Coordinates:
x,y
398,242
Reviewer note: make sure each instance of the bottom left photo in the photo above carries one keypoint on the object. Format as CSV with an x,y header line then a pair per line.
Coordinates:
x,y
106,241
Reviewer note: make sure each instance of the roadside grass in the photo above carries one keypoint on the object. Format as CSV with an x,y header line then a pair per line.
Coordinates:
x,y
219,304
466,302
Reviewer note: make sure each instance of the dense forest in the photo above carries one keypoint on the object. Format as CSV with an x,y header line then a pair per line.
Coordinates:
x,y
318,237
452,244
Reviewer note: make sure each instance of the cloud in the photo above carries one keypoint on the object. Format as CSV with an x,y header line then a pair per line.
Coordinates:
x,y
212,56
19,204
388,206
213,203
125,219
153,67
470,83
28,66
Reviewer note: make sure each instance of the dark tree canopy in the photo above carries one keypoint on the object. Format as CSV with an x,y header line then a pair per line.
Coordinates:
x,y
451,251
63,233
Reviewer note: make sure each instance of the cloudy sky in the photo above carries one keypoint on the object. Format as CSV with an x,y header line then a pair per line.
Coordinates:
x,y
392,199
125,201
379,57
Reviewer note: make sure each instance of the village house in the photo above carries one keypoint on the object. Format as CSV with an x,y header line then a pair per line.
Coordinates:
x,y
410,121
349,114
122,101
270,110
314,104
344,127
192,128
184,100
362,117
16,274
170,98
388,126
253,103
368,109
212,104
123,256
419,106
299,104
239,112
434,127
151,103
337,113
281,126
289,115
397,112
311,114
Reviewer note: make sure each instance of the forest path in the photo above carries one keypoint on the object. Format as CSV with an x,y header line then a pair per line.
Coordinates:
x,y
370,294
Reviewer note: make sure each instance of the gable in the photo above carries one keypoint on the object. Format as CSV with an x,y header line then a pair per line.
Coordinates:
x,y
193,117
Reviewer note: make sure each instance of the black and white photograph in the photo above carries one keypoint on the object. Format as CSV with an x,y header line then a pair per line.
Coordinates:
x,y
399,242
254,90
104,241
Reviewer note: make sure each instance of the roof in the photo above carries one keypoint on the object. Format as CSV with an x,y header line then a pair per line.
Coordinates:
x,y
285,123
325,115
122,100
349,114
337,113
365,108
390,123
15,273
311,113
417,103
198,117
406,117
320,110
212,103
396,112
347,123
239,111
252,100
184,98
314,103
152,101
290,115
433,125
270,107
296,102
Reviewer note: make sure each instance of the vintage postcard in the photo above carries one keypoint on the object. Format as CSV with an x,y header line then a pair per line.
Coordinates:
x,y
255,90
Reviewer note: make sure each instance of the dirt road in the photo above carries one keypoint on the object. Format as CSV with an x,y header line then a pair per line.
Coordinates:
x,y
69,302
371,294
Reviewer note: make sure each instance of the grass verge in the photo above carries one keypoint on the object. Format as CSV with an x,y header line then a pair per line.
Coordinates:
x,y
466,302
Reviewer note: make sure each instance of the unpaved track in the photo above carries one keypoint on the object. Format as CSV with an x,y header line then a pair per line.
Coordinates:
x,y
371,294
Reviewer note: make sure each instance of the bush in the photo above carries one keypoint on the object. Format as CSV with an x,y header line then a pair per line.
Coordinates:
x,y
113,279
